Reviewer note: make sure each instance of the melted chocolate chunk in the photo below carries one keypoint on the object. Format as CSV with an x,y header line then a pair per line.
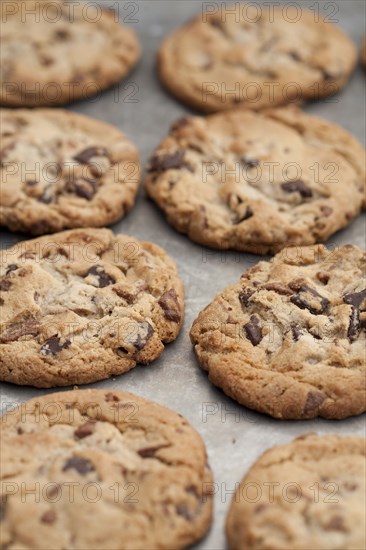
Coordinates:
x,y
10,268
182,510
84,188
355,300
48,195
297,186
169,304
85,429
103,278
294,55
247,214
249,162
313,401
296,332
145,332
53,346
336,523
245,295
253,331
84,157
81,465
168,162
62,34
49,517
109,397
5,284
308,298
29,327
149,452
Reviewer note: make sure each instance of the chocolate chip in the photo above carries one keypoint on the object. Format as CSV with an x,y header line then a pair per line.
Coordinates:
x,y
249,162
84,157
81,465
294,55
247,214
5,284
62,34
29,327
111,397
53,346
85,429
49,517
10,268
103,278
253,331
354,299
169,304
245,295
183,511
308,298
336,523
3,506
313,401
168,161
296,332
297,186
83,188
326,210
354,324
48,195
31,183
46,60
148,452
145,332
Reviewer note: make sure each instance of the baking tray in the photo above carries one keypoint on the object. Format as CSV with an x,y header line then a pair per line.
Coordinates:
x,y
234,435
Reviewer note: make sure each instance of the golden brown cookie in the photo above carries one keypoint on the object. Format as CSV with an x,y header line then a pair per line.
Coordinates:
x,y
258,182
83,305
289,338
61,170
107,469
309,493
255,56
55,52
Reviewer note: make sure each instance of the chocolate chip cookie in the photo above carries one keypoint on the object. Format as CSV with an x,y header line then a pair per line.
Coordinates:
x,y
83,305
109,469
60,170
257,182
289,338
309,493
254,57
56,52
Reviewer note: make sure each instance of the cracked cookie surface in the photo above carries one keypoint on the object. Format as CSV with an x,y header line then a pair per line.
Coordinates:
x,y
83,305
61,170
311,495
112,470
257,182
60,51
288,339
271,57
